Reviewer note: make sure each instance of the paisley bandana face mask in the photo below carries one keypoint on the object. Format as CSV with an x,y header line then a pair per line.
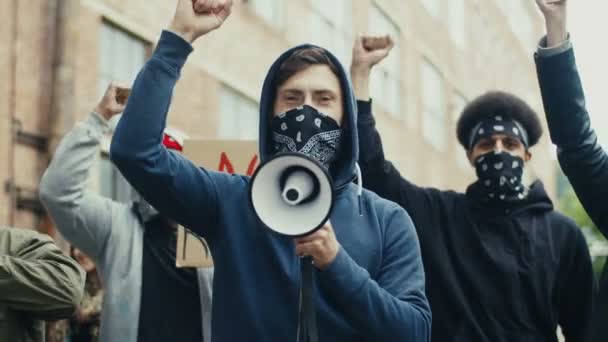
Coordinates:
x,y
500,177
307,131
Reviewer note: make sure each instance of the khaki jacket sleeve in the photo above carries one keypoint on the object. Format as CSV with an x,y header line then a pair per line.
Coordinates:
x,y
36,277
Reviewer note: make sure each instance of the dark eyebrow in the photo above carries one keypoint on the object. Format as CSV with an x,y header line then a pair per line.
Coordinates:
x,y
325,92
290,91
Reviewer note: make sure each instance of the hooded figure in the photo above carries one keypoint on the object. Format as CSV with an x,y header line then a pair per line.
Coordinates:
x,y
373,290
146,298
501,264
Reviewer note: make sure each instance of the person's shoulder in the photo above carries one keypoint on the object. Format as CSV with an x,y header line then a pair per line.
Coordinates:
x,y
23,234
382,207
13,240
563,226
557,219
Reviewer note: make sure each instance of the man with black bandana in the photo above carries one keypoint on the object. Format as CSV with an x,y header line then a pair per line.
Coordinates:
x,y
368,276
501,264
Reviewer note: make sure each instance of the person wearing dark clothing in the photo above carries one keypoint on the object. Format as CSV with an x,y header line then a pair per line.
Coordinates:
x,y
580,156
501,264
170,301
368,277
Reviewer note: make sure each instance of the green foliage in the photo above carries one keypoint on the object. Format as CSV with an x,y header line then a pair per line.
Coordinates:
x,y
571,206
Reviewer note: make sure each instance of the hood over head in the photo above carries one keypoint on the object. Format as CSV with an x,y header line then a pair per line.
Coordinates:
x,y
343,169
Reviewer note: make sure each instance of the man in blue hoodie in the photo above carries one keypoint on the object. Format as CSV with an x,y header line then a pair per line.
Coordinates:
x,y
369,280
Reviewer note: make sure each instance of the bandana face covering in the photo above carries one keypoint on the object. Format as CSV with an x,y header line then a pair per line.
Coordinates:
x,y
307,131
500,177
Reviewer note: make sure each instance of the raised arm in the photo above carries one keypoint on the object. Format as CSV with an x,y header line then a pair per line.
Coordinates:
x,y
36,277
581,157
379,174
168,181
83,217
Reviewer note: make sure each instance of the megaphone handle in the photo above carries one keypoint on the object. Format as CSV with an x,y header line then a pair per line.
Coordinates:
x,y
308,316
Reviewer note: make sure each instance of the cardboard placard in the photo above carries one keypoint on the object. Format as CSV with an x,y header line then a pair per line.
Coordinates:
x,y
231,156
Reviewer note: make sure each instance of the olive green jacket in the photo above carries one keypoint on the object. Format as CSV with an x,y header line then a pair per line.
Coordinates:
x,y
37,283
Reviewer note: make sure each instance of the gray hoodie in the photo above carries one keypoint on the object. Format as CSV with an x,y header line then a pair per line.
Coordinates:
x,y
108,231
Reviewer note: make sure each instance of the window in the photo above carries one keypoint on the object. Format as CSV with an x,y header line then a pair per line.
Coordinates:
x,y
520,21
457,22
269,10
332,27
433,6
238,116
121,56
521,25
458,104
385,79
434,117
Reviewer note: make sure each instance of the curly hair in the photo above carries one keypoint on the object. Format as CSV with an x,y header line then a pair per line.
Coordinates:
x,y
498,103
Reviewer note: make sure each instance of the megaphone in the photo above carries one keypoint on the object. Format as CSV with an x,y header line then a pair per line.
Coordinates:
x,y
292,194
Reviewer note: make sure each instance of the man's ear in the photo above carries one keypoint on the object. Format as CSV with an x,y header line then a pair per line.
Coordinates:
x,y
528,156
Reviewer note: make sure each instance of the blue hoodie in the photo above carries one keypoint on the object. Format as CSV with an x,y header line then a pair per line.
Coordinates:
x,y
372,291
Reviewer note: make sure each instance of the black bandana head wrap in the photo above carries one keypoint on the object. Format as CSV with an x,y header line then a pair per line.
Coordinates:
x,y
498,124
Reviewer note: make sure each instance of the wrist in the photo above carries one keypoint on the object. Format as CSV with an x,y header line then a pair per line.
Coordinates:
x,y
556,32
185,33
360,70
104,113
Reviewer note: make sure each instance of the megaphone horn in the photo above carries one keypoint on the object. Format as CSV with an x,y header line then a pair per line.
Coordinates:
x,y
292,194
298,185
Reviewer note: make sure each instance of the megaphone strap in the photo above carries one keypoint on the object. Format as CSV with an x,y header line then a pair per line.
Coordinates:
x,y
308,316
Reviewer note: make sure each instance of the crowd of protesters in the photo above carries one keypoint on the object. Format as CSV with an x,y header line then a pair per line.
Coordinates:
x,y
395,261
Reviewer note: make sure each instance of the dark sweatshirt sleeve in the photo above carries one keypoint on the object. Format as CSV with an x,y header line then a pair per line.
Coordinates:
x,y
167,180
383,178
582,159
392,306
577,289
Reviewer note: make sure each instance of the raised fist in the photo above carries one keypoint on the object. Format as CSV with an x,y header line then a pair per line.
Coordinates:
x,y
113,101
195,18
369,51
554,12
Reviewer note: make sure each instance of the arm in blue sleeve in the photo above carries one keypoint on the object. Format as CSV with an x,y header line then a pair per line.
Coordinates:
x,y
393,306
167,180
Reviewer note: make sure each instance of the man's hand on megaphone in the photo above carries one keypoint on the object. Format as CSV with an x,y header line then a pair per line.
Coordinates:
x,y
321,245
113,101
195,18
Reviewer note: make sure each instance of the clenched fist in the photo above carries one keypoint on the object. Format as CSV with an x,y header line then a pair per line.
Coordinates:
x,y
367,52
554,12
113,101
321,245
195,18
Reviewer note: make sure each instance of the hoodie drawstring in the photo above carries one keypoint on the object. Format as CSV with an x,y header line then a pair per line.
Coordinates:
x,y
360,189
